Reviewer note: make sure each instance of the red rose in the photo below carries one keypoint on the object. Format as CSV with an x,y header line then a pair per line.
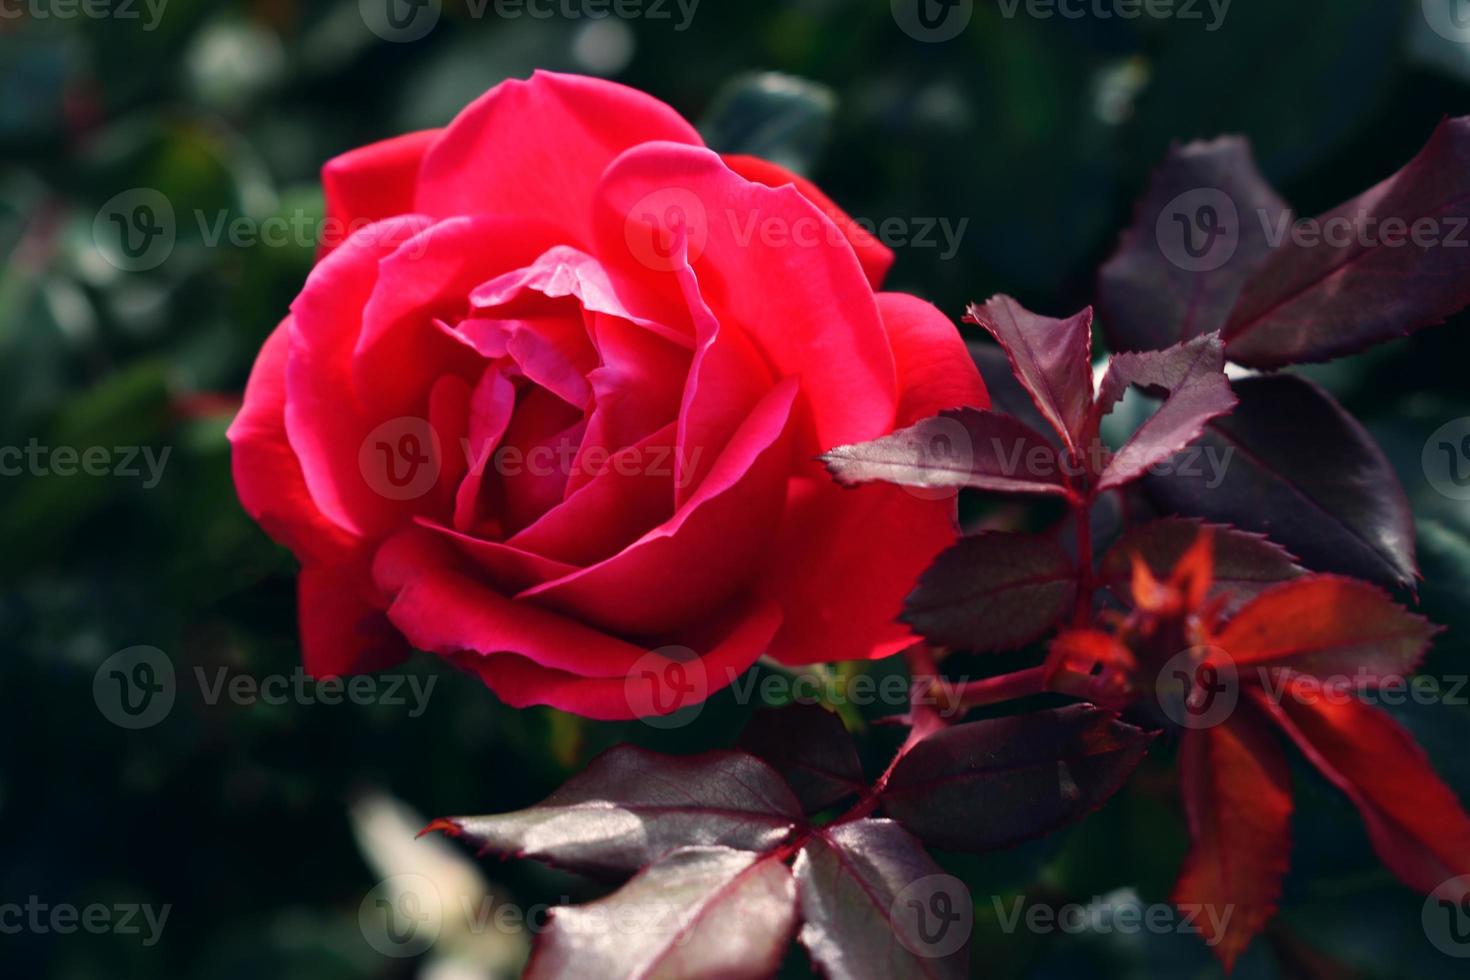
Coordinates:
x,y
550,409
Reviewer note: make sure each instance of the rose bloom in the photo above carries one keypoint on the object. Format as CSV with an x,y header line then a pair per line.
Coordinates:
x,y
551,409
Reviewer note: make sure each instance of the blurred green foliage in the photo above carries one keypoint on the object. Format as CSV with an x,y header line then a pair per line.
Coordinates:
x,y
1037,133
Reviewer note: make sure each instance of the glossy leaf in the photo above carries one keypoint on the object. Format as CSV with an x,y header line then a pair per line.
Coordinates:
x,y
993,591
1368,281
1237,798
1245,564
987,784
1328,627
811,748
1051,358
1416,824
1305,473
877,906
1151,294
969,447
699,912
631,806
1193,374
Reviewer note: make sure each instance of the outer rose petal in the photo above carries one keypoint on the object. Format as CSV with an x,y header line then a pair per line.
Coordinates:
x,y
531,656
371,183
343,630
845,558
537,148
806,306
267,473
876,258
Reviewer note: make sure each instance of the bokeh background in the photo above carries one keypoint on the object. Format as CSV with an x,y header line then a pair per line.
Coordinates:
x,y
266,828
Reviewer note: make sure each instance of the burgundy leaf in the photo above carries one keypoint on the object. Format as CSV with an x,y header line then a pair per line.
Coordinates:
x,y
698,912
993,591
1007,396
877,906
1245,564
987,784
1051,358
631,806
1193,374
811,748
964,448
1415,822
1369,281
1330,627
1301,470
1237,797
1198,233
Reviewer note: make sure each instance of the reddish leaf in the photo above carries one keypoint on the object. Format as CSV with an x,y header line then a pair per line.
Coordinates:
x,y
1193,374
988,784
1091,664
1301,470
965,448
1155,291
631,806
877,906
1237,797
699,912
1314,301
1327,627
1244,563
811,748
1051,358
993,591
1417,826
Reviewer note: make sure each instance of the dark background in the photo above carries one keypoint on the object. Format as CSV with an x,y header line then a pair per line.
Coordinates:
x,y
1039,131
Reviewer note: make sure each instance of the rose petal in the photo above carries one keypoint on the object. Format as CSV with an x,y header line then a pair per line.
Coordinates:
x,y
371,183
536,148
935,370
876,258
343,631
